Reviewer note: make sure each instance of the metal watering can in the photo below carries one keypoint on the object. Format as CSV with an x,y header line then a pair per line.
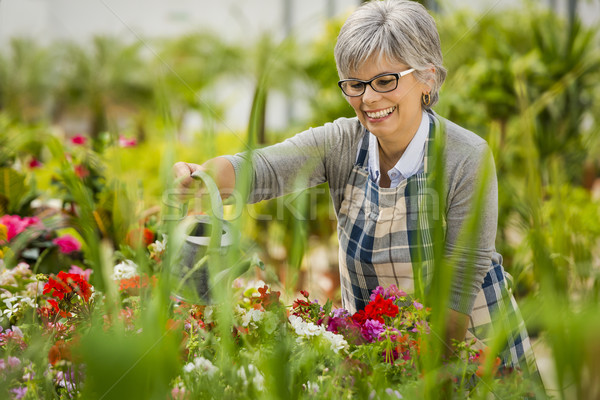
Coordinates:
x,y
204,249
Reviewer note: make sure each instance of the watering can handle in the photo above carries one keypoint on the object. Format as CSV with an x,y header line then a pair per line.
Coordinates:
x,y
216,207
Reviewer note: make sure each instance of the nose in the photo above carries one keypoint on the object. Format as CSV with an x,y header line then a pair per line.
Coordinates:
x,y
370,95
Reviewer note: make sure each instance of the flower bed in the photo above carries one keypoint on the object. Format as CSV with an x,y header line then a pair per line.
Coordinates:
x,y
62,338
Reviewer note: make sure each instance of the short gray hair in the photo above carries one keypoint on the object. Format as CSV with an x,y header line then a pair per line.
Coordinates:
x,y
397,30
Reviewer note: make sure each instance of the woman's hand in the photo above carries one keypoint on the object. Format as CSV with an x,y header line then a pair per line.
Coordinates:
x,y
219,168
183,171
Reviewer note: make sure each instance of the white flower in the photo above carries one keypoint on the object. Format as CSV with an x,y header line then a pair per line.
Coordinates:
x,y
250,317
258,380
159,246
28,301
208,313
7,278
308,329
189,367
22,269
311,387
11,308
337,341
34,289
202,366
392,392
125,270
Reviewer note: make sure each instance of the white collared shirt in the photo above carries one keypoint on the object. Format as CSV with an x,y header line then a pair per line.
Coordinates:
x,y
409,164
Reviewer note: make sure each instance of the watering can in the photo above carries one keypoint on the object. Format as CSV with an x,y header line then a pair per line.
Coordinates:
x,y
204,249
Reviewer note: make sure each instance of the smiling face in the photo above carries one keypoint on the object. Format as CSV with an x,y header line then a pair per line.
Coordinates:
x,y
393,117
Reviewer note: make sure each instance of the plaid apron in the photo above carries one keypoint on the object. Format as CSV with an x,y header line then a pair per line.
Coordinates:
x,y
385,232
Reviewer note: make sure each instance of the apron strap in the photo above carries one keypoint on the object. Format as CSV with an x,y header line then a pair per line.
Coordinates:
x,y
364,150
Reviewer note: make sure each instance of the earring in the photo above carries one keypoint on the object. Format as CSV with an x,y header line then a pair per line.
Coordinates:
x,y
426,98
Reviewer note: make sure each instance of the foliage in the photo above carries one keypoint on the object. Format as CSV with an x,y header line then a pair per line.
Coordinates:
x,y
524,79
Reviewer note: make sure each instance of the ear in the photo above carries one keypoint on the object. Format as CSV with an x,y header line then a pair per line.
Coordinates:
x,y
431,81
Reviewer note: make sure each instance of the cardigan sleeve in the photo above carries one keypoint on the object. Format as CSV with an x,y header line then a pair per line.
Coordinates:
x,y
317,155
471,222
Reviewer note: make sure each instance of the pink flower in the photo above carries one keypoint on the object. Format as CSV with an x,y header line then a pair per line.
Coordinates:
x,y
16,224
418,305
125,142
67,244
78,140
79,271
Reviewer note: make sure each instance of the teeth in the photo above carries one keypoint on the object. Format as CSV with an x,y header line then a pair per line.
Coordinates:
x,y
381,113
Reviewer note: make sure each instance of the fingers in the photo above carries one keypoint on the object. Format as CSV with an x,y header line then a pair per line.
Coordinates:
x,y
186,186
183,171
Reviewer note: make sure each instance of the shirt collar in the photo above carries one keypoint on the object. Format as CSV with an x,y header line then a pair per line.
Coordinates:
x,y
411,161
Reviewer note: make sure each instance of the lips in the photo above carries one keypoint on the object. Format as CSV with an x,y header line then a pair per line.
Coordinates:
x,y
380,113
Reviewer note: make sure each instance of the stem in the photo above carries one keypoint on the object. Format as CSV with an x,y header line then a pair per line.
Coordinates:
x,y
187,276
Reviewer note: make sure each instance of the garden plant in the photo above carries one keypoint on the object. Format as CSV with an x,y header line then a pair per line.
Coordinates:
x,y
92,228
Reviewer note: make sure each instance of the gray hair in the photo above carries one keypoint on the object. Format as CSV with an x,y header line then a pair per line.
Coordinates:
x,y
397,30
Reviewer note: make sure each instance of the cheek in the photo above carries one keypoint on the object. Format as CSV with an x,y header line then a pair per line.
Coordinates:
x,y
354,103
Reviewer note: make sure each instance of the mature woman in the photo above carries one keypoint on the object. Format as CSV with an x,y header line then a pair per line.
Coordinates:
x,y
379,167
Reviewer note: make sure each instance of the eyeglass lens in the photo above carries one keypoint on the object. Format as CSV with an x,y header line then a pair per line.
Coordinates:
x,y
382,84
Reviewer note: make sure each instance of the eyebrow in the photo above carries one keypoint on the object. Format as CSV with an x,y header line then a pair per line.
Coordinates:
x,y
373,77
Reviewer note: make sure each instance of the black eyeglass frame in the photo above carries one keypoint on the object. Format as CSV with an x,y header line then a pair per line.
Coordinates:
x,y
397,75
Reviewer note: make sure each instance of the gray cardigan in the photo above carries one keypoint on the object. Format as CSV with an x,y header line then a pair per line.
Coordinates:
x,y
328,153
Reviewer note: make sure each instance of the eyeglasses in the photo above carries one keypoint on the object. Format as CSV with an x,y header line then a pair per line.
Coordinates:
x,y
381,83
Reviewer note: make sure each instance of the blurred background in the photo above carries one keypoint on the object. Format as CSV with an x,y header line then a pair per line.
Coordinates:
x,y
137,78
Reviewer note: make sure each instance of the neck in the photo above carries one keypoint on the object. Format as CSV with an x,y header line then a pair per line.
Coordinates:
x,y
391,149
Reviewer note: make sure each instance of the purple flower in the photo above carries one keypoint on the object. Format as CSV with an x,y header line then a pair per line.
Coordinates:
x,y
19,392
418,305
340,313
379,290
372,329
392,293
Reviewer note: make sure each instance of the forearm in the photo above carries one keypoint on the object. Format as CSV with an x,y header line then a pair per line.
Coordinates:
x,y
223,174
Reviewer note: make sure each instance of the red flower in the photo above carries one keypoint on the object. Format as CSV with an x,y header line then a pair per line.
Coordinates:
x,y
268,299
66,284
56,309
62,351
81,171
379,307
34,163
131,285
481,360
360,317
139,236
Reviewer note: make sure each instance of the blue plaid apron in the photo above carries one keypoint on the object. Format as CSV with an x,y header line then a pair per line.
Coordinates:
x,y
380,232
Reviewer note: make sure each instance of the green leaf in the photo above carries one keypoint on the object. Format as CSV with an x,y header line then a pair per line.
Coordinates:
x,y
12,186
